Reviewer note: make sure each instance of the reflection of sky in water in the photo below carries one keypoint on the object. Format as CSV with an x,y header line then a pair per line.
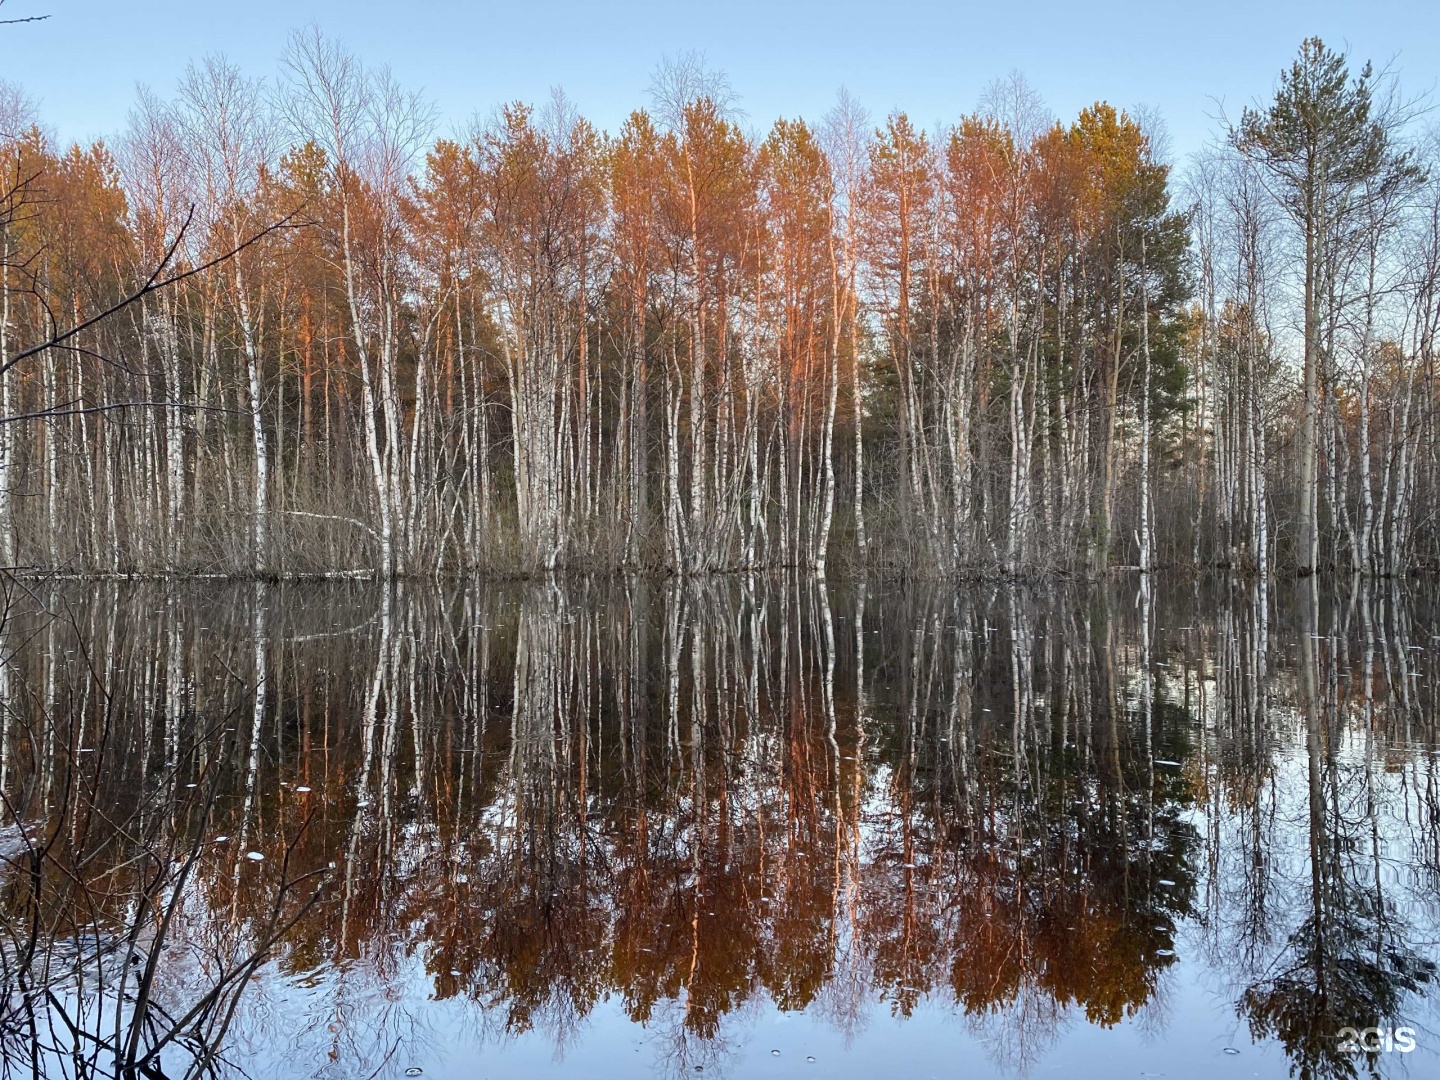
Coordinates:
x,y
933,1042
615,832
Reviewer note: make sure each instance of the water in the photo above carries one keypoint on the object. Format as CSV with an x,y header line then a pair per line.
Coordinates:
x,y
739,828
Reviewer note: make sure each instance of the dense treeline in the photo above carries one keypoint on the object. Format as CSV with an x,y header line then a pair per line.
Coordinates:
x,y
1012,346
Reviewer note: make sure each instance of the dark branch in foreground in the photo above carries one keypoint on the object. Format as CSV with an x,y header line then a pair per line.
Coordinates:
x,y
90,410
23,19
154,283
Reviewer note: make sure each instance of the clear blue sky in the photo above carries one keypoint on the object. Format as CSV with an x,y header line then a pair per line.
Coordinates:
x,y
932,59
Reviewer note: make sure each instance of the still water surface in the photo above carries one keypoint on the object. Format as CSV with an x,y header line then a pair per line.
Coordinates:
x,y
737,829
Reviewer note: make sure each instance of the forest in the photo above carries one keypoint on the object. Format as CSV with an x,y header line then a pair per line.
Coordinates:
x,y
276,327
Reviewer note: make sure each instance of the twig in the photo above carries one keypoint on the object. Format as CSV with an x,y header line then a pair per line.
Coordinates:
x,y
153,284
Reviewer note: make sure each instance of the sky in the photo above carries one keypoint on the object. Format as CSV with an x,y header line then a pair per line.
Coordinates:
x,y
934,60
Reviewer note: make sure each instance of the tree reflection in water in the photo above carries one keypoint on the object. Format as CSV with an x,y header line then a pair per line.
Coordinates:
x,y
703,801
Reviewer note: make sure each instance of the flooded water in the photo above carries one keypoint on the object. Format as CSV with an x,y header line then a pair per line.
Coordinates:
x,y
739,828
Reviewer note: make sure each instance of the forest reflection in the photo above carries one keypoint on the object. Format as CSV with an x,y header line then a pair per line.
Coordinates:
x,y
702,799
